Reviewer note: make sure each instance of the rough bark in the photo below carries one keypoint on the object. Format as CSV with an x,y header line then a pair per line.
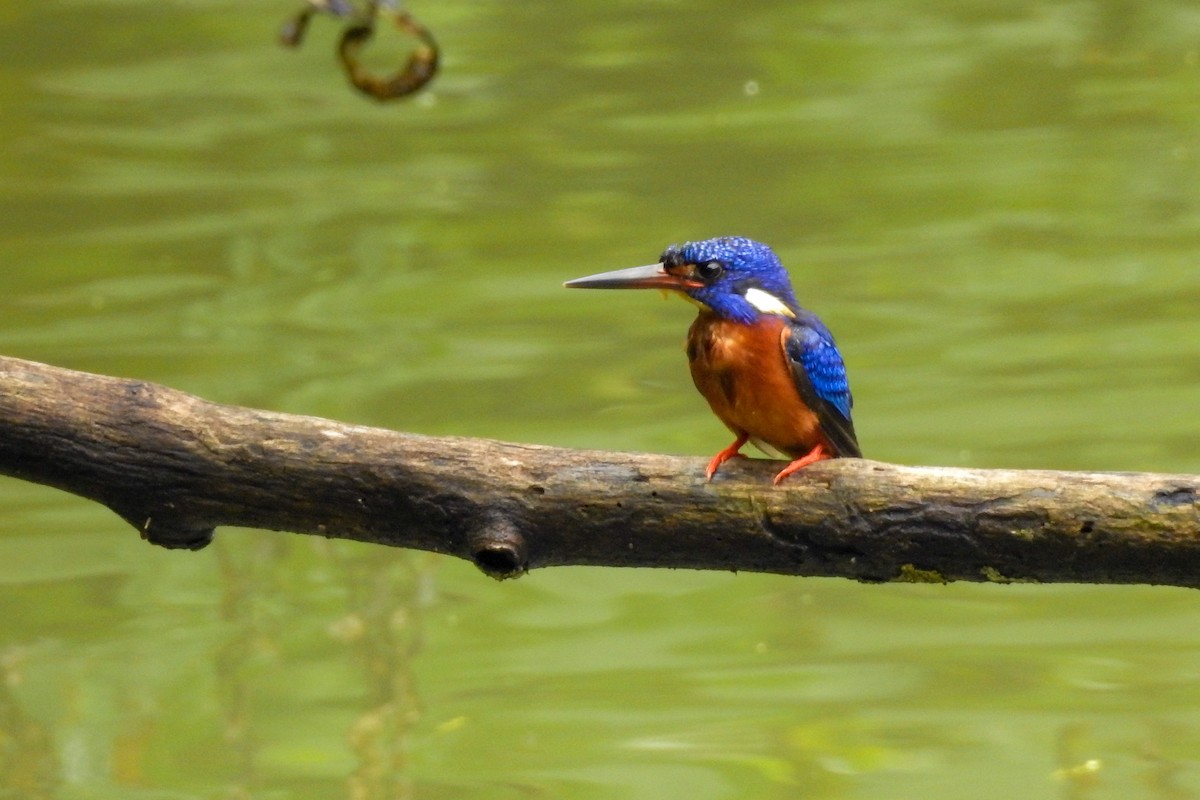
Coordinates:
x,y
175,467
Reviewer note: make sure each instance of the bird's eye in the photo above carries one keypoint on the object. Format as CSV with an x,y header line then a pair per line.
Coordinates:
x,y
710,270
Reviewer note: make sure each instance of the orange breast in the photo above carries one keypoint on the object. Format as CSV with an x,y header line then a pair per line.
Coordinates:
x,y
743,373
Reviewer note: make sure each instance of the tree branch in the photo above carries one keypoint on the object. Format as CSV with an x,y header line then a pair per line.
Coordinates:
x,y
175,467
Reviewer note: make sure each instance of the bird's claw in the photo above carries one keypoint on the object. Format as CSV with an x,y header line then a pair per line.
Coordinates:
x,y
816,454
723,456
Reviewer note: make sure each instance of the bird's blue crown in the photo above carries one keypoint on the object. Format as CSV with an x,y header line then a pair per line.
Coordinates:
x,y
741,277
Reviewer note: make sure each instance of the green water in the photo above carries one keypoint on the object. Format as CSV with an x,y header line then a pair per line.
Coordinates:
x,y
996,207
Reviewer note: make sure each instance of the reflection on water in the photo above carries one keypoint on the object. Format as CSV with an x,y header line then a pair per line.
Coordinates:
x,y
994,205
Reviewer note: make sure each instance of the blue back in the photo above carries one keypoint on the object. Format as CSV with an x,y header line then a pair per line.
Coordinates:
x,y
812,345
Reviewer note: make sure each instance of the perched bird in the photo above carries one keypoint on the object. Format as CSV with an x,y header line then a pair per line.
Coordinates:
x,y
769,368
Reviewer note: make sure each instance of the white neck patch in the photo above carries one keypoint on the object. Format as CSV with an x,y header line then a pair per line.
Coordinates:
x,y
768,303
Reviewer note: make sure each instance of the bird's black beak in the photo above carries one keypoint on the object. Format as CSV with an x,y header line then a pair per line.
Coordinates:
x,y
651,276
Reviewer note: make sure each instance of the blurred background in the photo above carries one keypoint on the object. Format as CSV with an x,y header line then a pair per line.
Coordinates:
x,y
994,205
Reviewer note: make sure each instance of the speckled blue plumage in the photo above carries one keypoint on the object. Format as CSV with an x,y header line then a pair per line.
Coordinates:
x,y
748,264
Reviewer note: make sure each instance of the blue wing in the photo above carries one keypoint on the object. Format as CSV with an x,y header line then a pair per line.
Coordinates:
x,y
820,376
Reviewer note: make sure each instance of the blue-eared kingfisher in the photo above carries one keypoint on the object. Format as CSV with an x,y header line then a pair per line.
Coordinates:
x,y
770,369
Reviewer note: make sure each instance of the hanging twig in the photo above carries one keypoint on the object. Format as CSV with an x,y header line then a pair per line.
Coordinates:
x,y
418,70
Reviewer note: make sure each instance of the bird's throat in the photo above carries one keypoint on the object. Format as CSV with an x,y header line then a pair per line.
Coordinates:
x,y
668,293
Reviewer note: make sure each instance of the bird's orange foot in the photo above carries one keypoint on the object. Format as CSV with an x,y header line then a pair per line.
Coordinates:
x,y
816,454
726,454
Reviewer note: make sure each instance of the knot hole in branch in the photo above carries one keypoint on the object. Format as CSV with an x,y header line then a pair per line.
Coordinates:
x,y
168,529
498,548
